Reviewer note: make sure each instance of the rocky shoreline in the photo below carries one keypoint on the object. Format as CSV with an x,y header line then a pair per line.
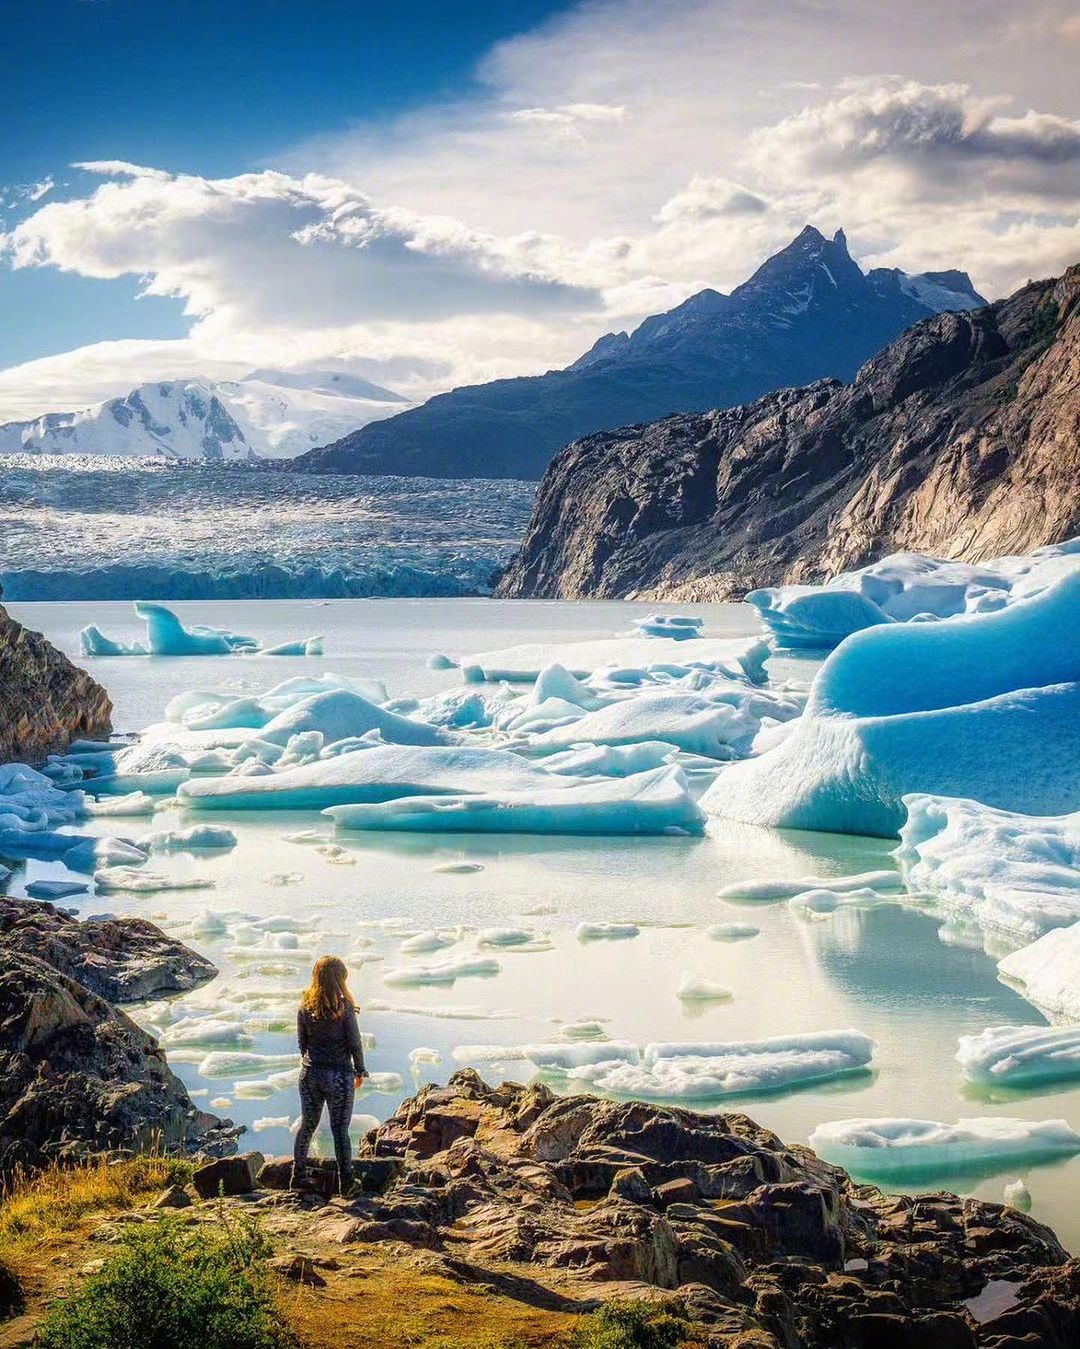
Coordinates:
x,y
46,701
566,1202
78,1076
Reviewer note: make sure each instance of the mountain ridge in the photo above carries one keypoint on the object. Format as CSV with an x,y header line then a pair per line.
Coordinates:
x,y
808,311
961,438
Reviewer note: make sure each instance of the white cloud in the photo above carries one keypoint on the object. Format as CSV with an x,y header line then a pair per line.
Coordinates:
x,y
607,164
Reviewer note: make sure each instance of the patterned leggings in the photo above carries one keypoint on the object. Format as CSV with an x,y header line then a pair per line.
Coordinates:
x,y
332,1087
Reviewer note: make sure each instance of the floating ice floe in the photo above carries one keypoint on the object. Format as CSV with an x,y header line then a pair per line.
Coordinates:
x,y
606,931
166,635
339,714
1020,1056
696,988
380,773
657,802
115,878
679,626
1047,973
1017,1195
822,903
891,1148
441,972
743,657
54,890
1014,876
768,891
457,868
902,587
963,707
200,838
133,803
612,761
732,931
689,721
692,1071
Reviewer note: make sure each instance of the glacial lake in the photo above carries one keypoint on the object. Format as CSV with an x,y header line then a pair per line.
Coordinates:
x,y
890,972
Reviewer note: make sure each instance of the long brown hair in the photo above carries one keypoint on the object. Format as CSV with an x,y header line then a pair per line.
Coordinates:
x,y
328,993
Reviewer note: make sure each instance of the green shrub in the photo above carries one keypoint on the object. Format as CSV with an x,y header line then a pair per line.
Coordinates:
x,y
634,1325
172,1286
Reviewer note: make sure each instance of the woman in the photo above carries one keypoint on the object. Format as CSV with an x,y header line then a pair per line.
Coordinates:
x,y
332,1067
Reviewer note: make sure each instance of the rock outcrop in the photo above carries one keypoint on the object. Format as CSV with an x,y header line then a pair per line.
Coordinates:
x,y
77,1076
119,959
960,439
807,312
45,700
568,1201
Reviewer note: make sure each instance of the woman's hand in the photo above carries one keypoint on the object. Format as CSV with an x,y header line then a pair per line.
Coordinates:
x,y
358,1081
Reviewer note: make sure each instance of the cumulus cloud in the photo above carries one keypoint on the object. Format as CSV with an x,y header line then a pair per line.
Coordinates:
x,y
706,198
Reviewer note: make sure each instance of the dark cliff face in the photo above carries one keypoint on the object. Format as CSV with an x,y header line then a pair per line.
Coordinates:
x,y
806,313
961,438
45,700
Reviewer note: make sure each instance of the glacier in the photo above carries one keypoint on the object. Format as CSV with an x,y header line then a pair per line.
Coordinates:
x,y
961,707
904,587
896,1148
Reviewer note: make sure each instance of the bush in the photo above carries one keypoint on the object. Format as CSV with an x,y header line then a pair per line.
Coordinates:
x,y
172,1286
634,1325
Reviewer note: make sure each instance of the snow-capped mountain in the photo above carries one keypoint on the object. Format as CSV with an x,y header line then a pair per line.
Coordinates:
x,y
807,312
266,415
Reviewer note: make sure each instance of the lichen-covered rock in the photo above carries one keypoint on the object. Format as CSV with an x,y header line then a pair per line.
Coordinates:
x,y
119,959
960,439
45,700
77,1076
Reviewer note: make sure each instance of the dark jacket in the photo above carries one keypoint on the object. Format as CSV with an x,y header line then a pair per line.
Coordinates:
x,y
330,1041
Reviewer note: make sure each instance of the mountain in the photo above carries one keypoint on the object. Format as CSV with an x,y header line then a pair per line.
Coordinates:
x,y
267,414
961,439
806,313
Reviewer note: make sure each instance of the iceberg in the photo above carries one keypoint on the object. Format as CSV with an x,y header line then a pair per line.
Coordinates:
x,y
201,838
1012,876
890,1148
773,890
657,802
732,931
441,972
166,635
1020,1056
695,724
963,707
737,657
696,988
339,714
678,626
1047,973
903,587
380,773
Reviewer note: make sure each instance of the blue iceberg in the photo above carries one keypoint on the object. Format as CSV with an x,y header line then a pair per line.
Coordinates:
x,y
166,635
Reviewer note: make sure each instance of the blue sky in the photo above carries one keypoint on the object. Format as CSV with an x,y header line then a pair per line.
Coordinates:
x,y
207,86
440,193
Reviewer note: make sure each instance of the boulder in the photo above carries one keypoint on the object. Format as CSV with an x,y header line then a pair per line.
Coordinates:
x,y
78,1077
120,959
228,1175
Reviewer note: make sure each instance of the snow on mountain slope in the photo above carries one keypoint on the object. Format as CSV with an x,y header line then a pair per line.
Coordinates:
x,y
268,414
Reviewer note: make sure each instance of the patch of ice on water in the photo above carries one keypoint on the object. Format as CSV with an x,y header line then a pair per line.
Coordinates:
x,y
782,889
1018,1056
606,931
732,931
1017,1195
895,1147
201,838
696,988
457,868
442,972
1047,973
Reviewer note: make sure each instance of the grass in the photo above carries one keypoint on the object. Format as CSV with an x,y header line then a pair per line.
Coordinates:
x,y
35,1207
169,1286
634,1325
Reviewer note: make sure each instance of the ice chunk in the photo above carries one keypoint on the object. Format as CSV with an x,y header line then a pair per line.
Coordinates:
x,y
166,635
780,889
133,803
689,721
377,774
555,1057
901,587
270,1122
307,646
54,890
430,940
507,936
424,1055
93,642
236,1062
201,838
93,854
893,1148
964,707
606,931
197,1031
678,626
1017,1195
1018,1056
739,656
821,903
115,878
1047,973
443,972
340,713
457,868
732,931
1013,876
702,1071
615,761
658,802
696,988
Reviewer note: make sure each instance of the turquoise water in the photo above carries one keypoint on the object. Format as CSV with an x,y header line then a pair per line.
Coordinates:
x,y
885,972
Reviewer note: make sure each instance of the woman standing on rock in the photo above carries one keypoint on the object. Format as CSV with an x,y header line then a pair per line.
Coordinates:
x,y
332,1067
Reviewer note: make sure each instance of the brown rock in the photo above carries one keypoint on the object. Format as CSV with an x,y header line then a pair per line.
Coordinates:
x,y
227,1175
